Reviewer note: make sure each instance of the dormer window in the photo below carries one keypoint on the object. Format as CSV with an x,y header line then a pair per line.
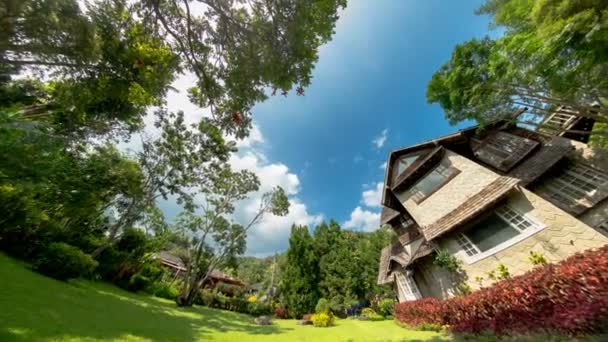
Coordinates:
x,y
431,182
403,163
503,150
577,187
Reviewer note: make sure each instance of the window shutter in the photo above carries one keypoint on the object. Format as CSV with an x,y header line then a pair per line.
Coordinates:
x,y
503,150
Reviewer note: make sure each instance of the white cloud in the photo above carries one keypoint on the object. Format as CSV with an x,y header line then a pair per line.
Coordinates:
x,y
255,138
381,139
372,197
383,166
272,233
364,220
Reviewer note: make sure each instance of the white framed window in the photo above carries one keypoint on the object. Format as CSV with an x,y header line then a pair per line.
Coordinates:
x,y
431,182
408,286
403,163
499,230
577,187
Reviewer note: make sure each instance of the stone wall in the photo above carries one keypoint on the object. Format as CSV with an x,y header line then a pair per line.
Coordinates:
x,y
454,193
562,236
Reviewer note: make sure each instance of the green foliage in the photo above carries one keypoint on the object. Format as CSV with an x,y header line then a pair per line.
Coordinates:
x,y
62,261
552,53
323,319
386,307
323,306
463,289
446,260
500,273
371,315
298,285
258,309
537,258
214,299
166,291
429,327
339,265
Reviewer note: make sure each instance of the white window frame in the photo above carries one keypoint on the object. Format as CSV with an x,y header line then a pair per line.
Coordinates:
x,y
408,284
523,223
560,189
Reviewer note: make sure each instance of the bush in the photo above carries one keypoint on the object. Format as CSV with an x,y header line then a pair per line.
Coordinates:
x,y
368,314
280,312
386,307
568,298
138,283
252,299
218,300
166,291
258,309
62,261
322,306
322,319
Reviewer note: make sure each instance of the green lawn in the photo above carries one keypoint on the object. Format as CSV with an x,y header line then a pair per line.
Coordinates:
x,y
36,308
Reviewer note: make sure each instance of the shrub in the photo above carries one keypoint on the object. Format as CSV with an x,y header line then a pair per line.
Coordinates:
x,y
258,309
166,291
568,298
537,258
280,312
336,305
446,260
62,261
322,319
252,299
322,306
386,307
368,314
429,327
138,283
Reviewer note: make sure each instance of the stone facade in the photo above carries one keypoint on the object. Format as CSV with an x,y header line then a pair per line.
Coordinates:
x,y
454,193
561,236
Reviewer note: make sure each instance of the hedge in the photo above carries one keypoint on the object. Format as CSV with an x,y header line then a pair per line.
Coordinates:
x,y
570,298
236,304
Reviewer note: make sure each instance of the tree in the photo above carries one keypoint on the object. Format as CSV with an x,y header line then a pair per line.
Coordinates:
x,y
239,51
298,286
215,240
552,54
175,164
114,59
338,265
105,68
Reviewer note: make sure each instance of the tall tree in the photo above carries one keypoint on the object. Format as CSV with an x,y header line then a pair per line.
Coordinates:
x,y
216,241
113,59
298,285
179,163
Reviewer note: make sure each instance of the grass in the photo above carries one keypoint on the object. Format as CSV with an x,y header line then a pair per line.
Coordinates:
x,y
36,308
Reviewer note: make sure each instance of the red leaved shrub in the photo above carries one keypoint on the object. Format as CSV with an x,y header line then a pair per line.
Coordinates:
x,y
568,298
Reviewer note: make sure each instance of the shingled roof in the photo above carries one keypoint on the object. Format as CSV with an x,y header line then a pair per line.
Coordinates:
x,y
396,252
479,202
387,215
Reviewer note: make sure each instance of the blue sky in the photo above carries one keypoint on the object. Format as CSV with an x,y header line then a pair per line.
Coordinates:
x,y
326,148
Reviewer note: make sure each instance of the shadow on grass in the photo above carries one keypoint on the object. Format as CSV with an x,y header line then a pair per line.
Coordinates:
x,y
36,308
